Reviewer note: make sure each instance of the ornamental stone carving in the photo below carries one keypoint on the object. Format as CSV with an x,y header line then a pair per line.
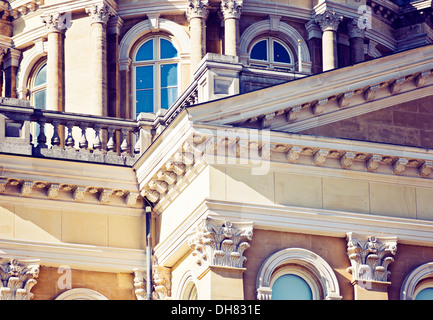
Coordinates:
x,y
197,9
99,13
370,256
17,278
55,22
354,31
140,284
162,282
231,9
328,21
221,243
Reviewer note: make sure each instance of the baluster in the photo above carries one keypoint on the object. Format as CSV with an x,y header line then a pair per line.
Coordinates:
x,y
83,143
42,139
69,142
124,147
97,145
55,139
111,144
137,146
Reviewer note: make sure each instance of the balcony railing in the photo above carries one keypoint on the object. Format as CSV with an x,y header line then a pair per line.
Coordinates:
x,y
50,134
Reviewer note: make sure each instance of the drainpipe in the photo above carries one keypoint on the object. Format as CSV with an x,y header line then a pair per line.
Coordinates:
x,y
149,251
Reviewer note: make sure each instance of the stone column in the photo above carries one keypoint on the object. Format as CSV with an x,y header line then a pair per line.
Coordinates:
x,y
55,24
231,10
218,246
328,22
356,39
370,257
99,15
197,12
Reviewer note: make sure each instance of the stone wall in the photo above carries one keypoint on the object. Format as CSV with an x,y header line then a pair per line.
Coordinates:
x,y
408,123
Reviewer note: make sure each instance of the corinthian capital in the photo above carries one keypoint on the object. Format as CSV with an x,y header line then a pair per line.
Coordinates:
x,y
197,9
370,256
18,278
55,22
221,243
99,13
231,8
328,20
354,31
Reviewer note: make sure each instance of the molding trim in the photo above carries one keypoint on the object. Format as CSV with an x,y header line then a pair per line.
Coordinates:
x,y
144,27
81,294
76,256
320,269
411,281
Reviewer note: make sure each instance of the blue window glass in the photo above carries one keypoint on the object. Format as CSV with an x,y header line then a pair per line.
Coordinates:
x,y
41,77
425,294
167,50
291,287
168,84
260,51
145,52
280,53
144,89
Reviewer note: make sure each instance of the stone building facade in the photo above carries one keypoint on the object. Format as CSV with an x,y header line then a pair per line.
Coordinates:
x,y
216,149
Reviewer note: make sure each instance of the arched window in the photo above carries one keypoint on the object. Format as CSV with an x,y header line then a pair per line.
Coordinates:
x,y
190,292
418,284
39,87
271,53
298,274
156,74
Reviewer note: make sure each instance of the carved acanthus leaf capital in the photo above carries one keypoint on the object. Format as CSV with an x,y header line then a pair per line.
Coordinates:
x,y
18,278
99,13
197,9
221,243
370,256
328,20
231,8
354,31
55,22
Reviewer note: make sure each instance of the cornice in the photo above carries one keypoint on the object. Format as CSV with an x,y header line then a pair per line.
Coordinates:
x,y
336,91
76,256
68,181
204,144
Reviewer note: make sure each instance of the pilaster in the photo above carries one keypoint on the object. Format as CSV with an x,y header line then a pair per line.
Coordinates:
x,y
219,246
18,278
370,257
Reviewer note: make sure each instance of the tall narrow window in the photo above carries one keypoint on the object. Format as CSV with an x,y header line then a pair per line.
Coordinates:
x,y
39,88
156,75
271,53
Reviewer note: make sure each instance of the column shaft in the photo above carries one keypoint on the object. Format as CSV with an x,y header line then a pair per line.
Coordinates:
x,y
55,71
329,50
198,42
231,36
99,69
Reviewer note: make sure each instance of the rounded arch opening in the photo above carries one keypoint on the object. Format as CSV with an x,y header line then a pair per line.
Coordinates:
x,y
310,266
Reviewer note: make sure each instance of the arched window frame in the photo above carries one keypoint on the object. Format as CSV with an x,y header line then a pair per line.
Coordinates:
x,y
187,284
418,279
304,259
81,294
270,62
156,62
283,31
129,42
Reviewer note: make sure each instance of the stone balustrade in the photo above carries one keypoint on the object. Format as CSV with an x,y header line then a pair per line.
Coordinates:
x,y
52,134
